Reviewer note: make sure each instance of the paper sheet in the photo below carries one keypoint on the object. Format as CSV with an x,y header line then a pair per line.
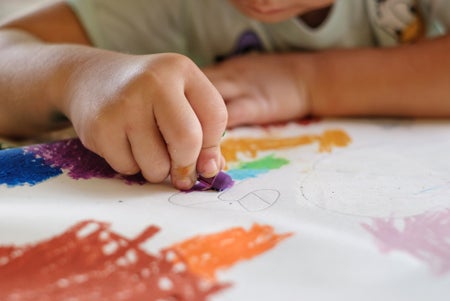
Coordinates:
x,y
334,209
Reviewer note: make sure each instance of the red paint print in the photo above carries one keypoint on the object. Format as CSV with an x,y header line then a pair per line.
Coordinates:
x,y
91,262
425,236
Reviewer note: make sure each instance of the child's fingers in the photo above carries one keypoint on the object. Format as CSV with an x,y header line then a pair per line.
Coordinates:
x,y
223,81
192,124
211,111
113,146
247,110
148,147
238,95
182,134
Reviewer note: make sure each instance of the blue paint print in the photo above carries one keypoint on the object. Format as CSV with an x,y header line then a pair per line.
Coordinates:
x,y
18,167
37,163
242,174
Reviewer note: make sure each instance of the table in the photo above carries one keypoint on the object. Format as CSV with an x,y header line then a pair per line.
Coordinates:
x,y
329,209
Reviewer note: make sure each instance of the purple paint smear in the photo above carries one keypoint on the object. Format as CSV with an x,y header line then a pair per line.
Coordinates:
x,y
79,162
425,236
220,182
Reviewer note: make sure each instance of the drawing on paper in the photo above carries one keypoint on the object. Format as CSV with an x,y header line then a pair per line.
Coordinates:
x,y
238,198
425,236
397,178
19,168
34,164
90,261
251,146
41,162
245,163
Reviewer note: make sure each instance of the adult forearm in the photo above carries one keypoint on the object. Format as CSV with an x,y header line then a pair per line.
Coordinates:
x,y
409,80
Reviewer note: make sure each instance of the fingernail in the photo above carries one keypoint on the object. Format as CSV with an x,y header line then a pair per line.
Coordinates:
x,y
184,183
210,169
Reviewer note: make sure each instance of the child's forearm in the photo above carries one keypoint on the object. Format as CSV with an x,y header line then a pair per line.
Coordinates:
x,y
29,83
32,71
403,81
36,79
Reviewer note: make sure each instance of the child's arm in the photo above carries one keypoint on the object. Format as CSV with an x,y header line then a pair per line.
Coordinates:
x,y
411,80
154,113
408,80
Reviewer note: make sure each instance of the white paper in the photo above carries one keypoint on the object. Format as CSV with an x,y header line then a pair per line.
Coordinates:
x,y
368,221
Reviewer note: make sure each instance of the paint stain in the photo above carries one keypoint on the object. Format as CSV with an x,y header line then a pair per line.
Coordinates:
x,y
206,254
184,171
251,146
220,182
89,261
37,163
268,162
79,162
425,237
333,138
231,148
19,168
255,168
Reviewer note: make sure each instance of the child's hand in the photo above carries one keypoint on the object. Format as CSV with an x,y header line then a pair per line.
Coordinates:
x,y
157,114
260,88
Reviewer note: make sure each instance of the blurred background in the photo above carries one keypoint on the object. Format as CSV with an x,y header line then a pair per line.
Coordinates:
x,y
9,7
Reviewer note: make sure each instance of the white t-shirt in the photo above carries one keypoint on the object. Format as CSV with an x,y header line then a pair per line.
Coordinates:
x,y
211,30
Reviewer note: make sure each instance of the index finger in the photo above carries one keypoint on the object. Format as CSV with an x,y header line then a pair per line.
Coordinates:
x,y
211,112
191,120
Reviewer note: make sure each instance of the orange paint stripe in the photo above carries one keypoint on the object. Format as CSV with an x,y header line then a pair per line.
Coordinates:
x,y
205,254
250,146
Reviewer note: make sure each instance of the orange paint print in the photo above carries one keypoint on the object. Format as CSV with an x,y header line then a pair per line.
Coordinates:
x,y
333,138
91,262
184,171
205,254
250,146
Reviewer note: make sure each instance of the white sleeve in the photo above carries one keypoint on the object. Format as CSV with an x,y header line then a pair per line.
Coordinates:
x,y
405,21
439,14
132,26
